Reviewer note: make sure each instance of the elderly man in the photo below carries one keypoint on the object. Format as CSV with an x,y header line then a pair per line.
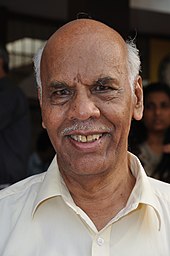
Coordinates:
x,y
95,198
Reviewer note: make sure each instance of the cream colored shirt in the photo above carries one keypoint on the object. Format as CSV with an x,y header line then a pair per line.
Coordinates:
x,y
39,218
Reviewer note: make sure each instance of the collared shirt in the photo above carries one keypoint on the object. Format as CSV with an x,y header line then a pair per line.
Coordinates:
x,y
38,217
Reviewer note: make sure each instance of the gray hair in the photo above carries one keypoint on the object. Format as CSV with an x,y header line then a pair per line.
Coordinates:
x,y
133,61
37,64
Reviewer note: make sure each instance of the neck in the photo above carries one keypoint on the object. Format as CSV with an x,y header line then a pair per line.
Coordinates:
x,y
155,141
102,196
156,137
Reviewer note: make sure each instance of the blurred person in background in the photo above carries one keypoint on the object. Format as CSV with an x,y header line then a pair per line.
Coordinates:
x,y
41,158
14,127
149,138
164,70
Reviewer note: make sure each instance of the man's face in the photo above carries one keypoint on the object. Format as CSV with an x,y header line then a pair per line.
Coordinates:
x,y
87,105
157,111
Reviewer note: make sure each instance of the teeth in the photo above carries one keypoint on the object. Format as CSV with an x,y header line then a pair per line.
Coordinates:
x,y
88,138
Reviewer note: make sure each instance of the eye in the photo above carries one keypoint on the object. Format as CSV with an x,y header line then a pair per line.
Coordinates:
x,y
150,107
165,105
59,94
102,88
106,86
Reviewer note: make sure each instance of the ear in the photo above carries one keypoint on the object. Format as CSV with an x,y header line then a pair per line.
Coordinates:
x,y
138,99
43,125
40,101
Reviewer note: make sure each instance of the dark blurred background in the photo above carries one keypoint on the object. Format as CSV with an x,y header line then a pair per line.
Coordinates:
x,y
25,25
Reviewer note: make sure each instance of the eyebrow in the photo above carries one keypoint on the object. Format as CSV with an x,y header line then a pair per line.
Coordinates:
x,y
104,80
99,81
57,84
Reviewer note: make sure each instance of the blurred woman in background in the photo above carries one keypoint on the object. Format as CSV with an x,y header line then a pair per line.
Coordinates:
x,y
149,138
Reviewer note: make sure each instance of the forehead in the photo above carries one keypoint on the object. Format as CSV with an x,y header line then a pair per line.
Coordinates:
x,y
157,96
87,53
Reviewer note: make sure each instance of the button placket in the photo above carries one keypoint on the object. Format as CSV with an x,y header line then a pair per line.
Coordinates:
x,y
100,241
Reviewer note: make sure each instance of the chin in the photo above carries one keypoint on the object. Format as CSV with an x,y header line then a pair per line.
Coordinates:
x,y
87,166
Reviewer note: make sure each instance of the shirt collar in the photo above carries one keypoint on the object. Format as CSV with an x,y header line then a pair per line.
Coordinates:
x,y
53,185
143,192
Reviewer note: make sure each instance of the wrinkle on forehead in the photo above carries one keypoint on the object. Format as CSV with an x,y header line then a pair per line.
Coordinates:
x,y
77,78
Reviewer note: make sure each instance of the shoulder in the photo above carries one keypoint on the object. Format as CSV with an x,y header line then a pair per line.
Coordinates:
x,y
22,188
161,190
18,200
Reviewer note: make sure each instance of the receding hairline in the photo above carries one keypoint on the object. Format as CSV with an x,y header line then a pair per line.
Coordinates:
x,y
80,27
70,29
84,25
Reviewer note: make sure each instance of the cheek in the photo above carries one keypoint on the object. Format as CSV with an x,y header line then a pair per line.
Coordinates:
x,y
119,115
147,116
51,117
167,118
52,122
168,114
147,121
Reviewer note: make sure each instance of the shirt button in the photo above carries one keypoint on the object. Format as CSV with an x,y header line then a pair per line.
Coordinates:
x,y
100,241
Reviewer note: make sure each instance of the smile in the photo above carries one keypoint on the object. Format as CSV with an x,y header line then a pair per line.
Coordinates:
x,y
85,139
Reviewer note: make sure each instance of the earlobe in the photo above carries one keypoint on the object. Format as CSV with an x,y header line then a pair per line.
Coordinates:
x,y
43,125
138,99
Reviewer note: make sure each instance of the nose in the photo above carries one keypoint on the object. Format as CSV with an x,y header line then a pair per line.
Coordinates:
x,y
157,110
83,107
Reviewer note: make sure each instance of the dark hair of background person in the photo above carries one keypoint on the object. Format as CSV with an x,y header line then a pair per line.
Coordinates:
x,y
138,134
163,68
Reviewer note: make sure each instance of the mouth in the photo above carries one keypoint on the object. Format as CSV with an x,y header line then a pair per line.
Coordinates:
x,y
158,122
86,138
